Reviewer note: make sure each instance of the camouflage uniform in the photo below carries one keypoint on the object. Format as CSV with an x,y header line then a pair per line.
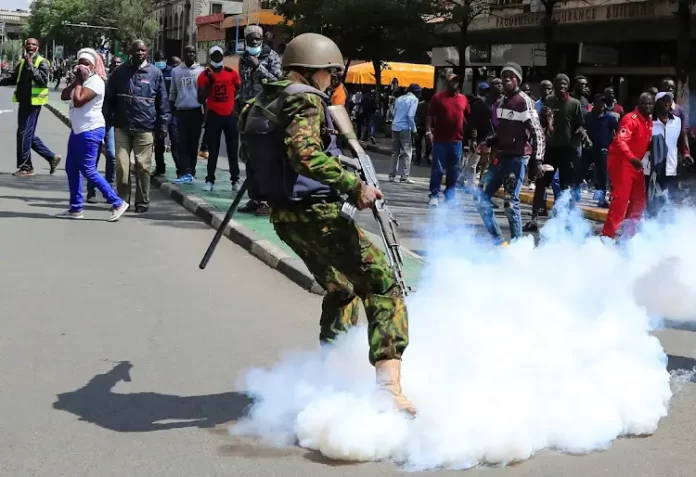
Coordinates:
x,y
335,250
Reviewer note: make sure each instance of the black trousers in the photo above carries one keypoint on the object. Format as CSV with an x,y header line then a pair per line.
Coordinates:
x,y
189,123
565,159
215,125
419,138
160,146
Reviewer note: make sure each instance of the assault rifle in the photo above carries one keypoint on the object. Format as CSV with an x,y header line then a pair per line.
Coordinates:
x,y
363,164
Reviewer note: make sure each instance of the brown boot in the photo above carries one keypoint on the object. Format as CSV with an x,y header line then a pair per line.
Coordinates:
x,y
389,380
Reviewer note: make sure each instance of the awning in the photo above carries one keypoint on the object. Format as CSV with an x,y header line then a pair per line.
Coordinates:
x,y
405,74
262,17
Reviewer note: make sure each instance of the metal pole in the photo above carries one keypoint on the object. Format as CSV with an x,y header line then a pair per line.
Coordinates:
x,y
236,37
2,46
54,53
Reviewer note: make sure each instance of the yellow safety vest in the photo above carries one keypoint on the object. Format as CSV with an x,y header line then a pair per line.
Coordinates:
x,y
39,94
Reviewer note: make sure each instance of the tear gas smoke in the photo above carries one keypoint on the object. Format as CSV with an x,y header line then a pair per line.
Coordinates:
x,y
512,351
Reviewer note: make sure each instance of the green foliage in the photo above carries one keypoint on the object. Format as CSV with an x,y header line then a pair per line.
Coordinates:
x,y
12,50
132,18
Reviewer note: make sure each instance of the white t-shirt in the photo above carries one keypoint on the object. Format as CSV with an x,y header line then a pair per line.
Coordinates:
x,y
89,116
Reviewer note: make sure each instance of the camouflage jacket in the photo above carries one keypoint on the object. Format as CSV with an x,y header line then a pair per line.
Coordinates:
x,y
303,120
253,77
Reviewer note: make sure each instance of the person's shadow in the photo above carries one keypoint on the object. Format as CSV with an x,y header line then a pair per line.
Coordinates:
x,y
145,412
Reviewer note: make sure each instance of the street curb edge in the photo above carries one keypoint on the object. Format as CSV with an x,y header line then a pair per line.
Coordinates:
x,y
293,268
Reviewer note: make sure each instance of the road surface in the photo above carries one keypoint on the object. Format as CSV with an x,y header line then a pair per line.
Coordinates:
x,y
118,357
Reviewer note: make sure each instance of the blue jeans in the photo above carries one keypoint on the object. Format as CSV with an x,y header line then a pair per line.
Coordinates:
x,y
446,158
83,150
508,172
110,168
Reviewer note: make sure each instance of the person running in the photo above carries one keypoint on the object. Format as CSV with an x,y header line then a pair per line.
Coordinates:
x,y
86,94
31,92
217,87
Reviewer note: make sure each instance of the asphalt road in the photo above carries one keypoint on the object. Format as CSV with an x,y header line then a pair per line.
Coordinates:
x,y
118,357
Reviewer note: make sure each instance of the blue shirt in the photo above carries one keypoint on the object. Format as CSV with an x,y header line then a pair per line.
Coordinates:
x,y
539,104
601,129
405,108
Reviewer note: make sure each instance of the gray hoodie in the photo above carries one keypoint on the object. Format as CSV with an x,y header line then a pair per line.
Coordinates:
x,y
183,92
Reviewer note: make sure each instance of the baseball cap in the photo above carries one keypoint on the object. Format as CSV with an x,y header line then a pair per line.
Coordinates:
x,y
216,49
662,94
483,86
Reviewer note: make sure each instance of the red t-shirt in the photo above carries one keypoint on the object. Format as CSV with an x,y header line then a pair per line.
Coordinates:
x,y
225,85
449,114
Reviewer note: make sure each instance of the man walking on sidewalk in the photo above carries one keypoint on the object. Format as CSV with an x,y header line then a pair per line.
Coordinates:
x,y
217,87
31,92
445,128
183,98
403,129
518,136
136,105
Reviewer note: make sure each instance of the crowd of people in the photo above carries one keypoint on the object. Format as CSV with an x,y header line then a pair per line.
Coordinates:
x,y
567,139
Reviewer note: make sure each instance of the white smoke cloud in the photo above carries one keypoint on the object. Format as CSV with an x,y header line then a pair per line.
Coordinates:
x,y
512,351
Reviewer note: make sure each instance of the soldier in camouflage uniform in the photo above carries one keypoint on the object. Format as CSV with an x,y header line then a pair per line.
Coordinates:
x,y
336,250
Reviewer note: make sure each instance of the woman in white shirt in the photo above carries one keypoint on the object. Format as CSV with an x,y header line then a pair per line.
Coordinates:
x,y
87,96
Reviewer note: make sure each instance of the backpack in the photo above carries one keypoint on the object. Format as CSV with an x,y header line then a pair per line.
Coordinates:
x,y
269,172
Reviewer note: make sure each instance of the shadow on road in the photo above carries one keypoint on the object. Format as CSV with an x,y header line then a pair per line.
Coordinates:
x,y
145,412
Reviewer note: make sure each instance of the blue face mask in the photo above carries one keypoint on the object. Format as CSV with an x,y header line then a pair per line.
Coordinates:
x,y
253,50
161,64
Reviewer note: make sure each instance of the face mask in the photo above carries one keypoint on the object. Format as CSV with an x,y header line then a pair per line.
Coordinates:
x,y
216,64
161,64
253,50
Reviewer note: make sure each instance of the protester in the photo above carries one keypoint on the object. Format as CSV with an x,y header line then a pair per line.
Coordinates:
x,y
562,145
136,105
479,128
217,88
160,60
88,125
368,109
612,106
518,130
526,89
601,128
183,100
495,94
581,91
31,92
626,170
339,94
445,128
546,88
58,76
403,129
667,85
661,164
258,64
421,114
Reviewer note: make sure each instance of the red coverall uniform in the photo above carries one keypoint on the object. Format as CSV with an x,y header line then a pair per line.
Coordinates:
x,y
627,184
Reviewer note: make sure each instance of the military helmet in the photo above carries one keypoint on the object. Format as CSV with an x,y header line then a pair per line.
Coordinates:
x,y
311,50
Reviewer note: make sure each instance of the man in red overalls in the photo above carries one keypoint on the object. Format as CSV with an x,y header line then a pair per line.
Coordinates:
x,y
625,168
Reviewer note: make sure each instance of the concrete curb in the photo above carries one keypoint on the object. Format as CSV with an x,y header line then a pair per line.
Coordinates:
x,y
259,247
591,213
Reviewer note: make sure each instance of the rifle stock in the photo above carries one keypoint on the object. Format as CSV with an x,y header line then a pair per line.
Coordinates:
x,y
385,220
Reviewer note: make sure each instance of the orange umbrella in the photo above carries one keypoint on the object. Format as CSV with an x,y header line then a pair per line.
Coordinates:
x,y
405,74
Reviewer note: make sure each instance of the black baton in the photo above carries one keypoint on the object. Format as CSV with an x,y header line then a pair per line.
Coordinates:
x,y
221,230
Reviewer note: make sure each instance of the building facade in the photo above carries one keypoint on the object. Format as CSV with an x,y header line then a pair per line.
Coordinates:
x,y
14,21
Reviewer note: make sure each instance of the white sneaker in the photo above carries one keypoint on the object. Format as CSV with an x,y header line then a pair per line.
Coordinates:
x,y
433,202
208,187
406,180
117,212
70,215
392,178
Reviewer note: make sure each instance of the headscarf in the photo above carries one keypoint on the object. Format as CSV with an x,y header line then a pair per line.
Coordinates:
x,y
95,59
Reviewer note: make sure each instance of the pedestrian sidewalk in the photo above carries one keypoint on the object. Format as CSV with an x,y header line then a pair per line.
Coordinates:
x,y
587,204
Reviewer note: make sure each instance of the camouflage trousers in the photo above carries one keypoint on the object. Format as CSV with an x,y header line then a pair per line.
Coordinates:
x,y
350,267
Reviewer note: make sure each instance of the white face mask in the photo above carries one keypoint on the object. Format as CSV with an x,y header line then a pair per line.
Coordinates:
x,y
215,64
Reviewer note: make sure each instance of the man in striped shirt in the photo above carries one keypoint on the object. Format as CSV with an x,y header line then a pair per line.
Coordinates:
x,y
518,129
